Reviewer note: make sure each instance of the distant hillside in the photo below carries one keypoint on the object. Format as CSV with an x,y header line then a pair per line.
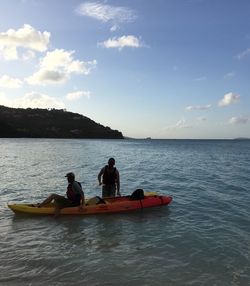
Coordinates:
x,y
242,138
54,123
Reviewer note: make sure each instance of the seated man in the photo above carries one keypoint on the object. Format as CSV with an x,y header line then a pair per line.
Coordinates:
x,y
74,196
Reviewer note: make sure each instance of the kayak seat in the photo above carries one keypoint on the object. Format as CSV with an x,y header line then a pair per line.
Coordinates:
x,y
137,195
95,201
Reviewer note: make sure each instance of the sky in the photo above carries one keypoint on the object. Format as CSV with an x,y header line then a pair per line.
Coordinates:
x,y
174,69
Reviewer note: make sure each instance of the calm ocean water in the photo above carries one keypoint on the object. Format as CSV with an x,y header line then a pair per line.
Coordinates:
x,y
202,238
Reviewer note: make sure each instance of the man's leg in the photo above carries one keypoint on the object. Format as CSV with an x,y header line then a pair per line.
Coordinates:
x,y
50,199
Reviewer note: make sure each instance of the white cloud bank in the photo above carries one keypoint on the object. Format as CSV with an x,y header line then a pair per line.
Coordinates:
x,y
239,120
8,82
57,66
77,94
32,100
26,37
122,42
228,99
198,107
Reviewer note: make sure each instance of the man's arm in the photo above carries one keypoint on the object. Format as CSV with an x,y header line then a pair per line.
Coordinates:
x,y
82,200
100,176
78,189
118,183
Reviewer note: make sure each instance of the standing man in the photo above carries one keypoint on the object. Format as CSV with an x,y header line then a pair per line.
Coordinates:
x,y
109,178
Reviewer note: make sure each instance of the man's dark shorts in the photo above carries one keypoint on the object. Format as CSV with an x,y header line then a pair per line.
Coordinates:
x,y
65,203
108,191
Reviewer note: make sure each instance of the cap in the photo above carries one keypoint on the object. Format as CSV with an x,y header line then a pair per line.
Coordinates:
x,y
70,175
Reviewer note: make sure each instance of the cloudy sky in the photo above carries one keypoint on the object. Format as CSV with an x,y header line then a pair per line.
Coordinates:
x,y
160,69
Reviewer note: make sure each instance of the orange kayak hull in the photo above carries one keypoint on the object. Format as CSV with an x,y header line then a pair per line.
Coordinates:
x,y
112,205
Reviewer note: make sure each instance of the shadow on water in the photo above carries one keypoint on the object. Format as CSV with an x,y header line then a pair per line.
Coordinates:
x,y
105,224
133,215
94,236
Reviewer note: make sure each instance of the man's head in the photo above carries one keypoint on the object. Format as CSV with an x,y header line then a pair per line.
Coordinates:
x,y
70,176
111,162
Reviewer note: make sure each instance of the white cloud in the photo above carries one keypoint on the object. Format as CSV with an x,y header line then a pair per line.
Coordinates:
x,y
122,42
8,53
28,55
26,37
181,124
3,99
229,75
243,54
8,82
202,119
200,78
238,120
38,100
114,28
106,13
77,94
198,107
32,100
228,99
45,77
57,66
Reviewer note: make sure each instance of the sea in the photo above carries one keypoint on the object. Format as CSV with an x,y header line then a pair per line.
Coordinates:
x,y
201,238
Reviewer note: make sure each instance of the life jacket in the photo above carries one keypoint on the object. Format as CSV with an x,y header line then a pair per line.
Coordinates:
x,y
109,176
72,195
